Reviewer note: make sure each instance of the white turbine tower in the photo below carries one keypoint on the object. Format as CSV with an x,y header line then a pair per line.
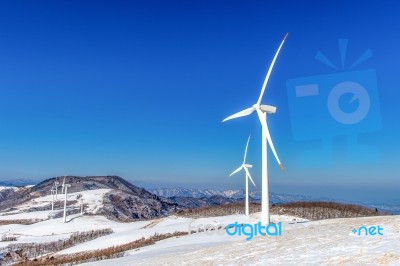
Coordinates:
x,y
262,111
66,186
81,206
246,167
56,183
63,183
52,199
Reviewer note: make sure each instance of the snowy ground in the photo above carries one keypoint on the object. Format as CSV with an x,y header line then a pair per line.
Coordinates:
x,y
92,200
54,229
327,242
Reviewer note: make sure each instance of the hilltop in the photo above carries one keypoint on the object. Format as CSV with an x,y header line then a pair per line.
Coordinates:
x,y
121,219
121,200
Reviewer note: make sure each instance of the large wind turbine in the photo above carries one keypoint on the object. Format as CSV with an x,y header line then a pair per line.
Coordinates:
x,y
262,111
246,167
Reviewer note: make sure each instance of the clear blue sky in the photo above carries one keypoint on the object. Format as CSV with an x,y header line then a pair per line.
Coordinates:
x,y
139,89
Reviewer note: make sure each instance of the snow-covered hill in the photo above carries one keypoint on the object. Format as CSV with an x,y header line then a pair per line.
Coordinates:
x,y
316,242
53,230
123,201
328,242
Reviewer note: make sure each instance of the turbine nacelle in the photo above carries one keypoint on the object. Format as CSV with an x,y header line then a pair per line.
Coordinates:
x,y
247,165
268,109
262,110
265,108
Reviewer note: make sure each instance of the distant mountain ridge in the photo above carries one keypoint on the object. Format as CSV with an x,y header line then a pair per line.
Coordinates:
x,y
236,195
195,193
230,193
130,202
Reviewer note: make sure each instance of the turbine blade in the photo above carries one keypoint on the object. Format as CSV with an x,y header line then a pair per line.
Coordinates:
x,y
237,170
245,151
249,176
240,114
270,70
268,136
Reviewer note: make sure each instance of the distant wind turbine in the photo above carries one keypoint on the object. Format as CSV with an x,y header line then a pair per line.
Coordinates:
x,y
56,183
63,183
52,199
81,206
248,176
66,186
262,111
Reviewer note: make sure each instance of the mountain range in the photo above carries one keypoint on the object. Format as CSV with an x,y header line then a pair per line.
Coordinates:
x,y
127,202
236,195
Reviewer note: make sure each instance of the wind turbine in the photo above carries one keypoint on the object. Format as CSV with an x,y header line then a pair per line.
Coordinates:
x,y
81,206
66,186
63,183
246,167
52,199
56,183
262,111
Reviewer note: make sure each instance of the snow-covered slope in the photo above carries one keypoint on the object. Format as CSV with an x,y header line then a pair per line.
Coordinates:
x,y
123,201
328,242
54,229
5,187
316,243
92,203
